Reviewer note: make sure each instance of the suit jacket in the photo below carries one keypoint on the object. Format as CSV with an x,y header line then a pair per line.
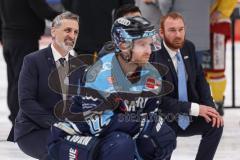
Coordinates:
x,y
197,87
40,90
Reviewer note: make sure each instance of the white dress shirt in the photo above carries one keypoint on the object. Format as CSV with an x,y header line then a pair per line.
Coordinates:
x,y
194,106
62,72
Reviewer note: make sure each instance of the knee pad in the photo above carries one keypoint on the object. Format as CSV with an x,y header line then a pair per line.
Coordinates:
x,y
219,33
73,147
217,82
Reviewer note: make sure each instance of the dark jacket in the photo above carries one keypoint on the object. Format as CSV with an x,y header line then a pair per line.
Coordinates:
x,y
95,21
197,86
24,18
39,92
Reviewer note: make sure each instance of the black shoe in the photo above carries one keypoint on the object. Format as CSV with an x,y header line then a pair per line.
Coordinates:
x,y
220,108
10,137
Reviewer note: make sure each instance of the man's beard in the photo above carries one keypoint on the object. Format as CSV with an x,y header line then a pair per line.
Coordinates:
x,y
66,45
175,44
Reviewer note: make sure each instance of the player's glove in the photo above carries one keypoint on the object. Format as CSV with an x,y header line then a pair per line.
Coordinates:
x,y
67,142
162,137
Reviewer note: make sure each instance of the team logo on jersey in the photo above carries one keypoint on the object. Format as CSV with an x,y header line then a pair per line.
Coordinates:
x,y
132,106
90,103
152,83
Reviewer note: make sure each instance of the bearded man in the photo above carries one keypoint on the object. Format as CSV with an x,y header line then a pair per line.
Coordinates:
x,y
190,104
43,84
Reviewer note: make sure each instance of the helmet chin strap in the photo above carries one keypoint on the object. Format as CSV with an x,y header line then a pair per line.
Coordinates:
x,y
127,54
126,57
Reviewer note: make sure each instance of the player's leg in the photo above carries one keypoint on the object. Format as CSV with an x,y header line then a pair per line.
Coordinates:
x,y
117,146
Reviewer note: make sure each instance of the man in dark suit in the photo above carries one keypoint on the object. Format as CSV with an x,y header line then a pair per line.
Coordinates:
x,y
42,85
189,108
23,23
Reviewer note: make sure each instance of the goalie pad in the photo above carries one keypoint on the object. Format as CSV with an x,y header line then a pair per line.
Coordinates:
x,y
220,33
218,52
217,82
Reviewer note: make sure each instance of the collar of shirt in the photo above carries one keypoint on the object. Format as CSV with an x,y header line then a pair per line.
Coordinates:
x,y
194,111
172,54
57,55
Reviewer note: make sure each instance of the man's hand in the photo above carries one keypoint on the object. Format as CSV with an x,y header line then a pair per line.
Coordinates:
x,y
207,112
217,122
211,114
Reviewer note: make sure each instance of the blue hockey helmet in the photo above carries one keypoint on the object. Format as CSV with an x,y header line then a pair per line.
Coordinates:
x,y
128,29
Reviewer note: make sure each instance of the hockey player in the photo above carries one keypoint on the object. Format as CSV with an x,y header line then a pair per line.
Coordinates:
x,y
129,10
119,119
220,32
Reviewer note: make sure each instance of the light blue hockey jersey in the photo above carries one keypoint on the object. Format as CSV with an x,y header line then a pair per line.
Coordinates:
x,y
107,77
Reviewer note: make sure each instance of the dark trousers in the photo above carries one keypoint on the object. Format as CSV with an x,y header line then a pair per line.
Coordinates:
x,y
210,136
117,146
35,144
14,51
120,146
